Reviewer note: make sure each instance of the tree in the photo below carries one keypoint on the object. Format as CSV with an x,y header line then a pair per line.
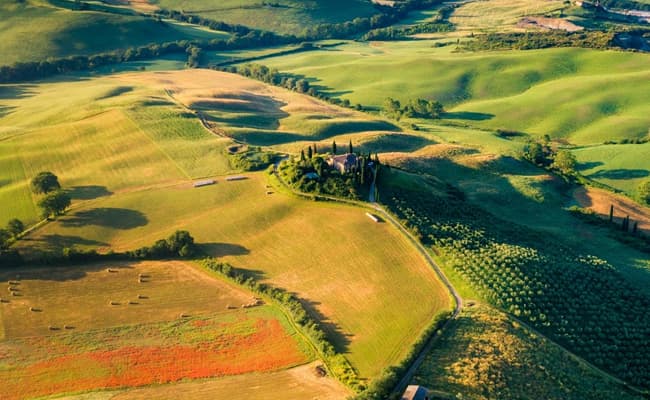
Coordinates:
x,y
611,213
302,155
315,149
392,108
15,227
54,203
181,243
310,153
565,162
5,237
350,148
644,192
45,182
334,147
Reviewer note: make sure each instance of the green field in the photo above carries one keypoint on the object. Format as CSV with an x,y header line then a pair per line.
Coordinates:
x,y
35,30
588,96
289,16
622,166
138,190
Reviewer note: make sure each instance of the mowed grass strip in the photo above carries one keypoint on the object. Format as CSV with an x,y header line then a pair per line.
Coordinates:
x,y
242,341
372,290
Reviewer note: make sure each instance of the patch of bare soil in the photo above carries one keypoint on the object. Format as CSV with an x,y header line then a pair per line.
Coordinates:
x,y
547,24
600,200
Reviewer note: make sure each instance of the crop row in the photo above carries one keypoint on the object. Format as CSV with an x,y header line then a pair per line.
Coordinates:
x,y
579,300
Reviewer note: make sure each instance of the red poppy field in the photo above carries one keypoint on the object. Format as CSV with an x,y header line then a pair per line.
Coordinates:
x,y
228,344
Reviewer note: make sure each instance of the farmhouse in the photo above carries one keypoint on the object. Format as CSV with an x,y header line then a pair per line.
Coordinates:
x,y
415,392
343,163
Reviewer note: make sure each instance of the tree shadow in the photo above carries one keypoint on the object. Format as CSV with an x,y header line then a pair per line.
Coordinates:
x,y
223,249
588,165
59,273
335,334
620,174
16,91
88,192
4,110
468,115
118,218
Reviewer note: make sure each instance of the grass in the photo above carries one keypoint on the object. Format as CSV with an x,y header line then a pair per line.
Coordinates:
x,y
585,101
35,31
339,245
622,166
485,354
499,15
109,135
290,16
80,297
128,150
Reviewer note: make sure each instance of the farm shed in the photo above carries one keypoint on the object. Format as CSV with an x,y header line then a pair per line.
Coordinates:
x,y
205,182
415,392
236,178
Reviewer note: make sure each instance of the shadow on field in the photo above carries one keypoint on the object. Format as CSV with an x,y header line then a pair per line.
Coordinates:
x,y
88,192
468,115
589,165
335,334
59,274
620,174
118,218
224,249
16,91
4,110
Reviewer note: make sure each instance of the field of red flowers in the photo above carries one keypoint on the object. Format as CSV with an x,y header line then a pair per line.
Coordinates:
x,y
235,343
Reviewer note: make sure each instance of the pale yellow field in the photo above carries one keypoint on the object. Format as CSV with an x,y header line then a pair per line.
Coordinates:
x,y
80,296
494,15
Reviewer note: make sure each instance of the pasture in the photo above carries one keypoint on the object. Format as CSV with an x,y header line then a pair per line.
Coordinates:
x,y
319,251
290,16
589,96
147,129
35,30
129,325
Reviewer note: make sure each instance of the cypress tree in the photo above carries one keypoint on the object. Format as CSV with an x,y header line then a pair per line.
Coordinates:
x,y
611,213
302,155
635,228
350,149
334,147
315,149
310,154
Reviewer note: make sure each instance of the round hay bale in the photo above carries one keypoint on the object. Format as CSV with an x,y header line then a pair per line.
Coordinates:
x,y
53,328
68,327
114,303
141,297
183,315
133,303
4,301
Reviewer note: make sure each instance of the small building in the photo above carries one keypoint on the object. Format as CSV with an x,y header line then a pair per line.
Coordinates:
x,y
415,392
343,163
236,178
205,182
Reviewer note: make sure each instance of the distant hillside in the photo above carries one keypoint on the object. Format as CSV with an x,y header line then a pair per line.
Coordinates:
x,y
282,16
34,30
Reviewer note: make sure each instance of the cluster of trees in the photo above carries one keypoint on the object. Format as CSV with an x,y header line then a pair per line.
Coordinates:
x,y
541,40
54,201
178,244
298,172
272,77
41,69
415,108
570,296
336,362
437,24
542,154
626,4
626,232
643,192
252,158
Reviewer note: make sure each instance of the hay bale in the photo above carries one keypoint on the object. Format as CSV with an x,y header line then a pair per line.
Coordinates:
x,y
53,328
14,283
4,301
68,327
183,315
114,303
13,289
15,294
133,303
142,297
145,276
34,309
111,270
